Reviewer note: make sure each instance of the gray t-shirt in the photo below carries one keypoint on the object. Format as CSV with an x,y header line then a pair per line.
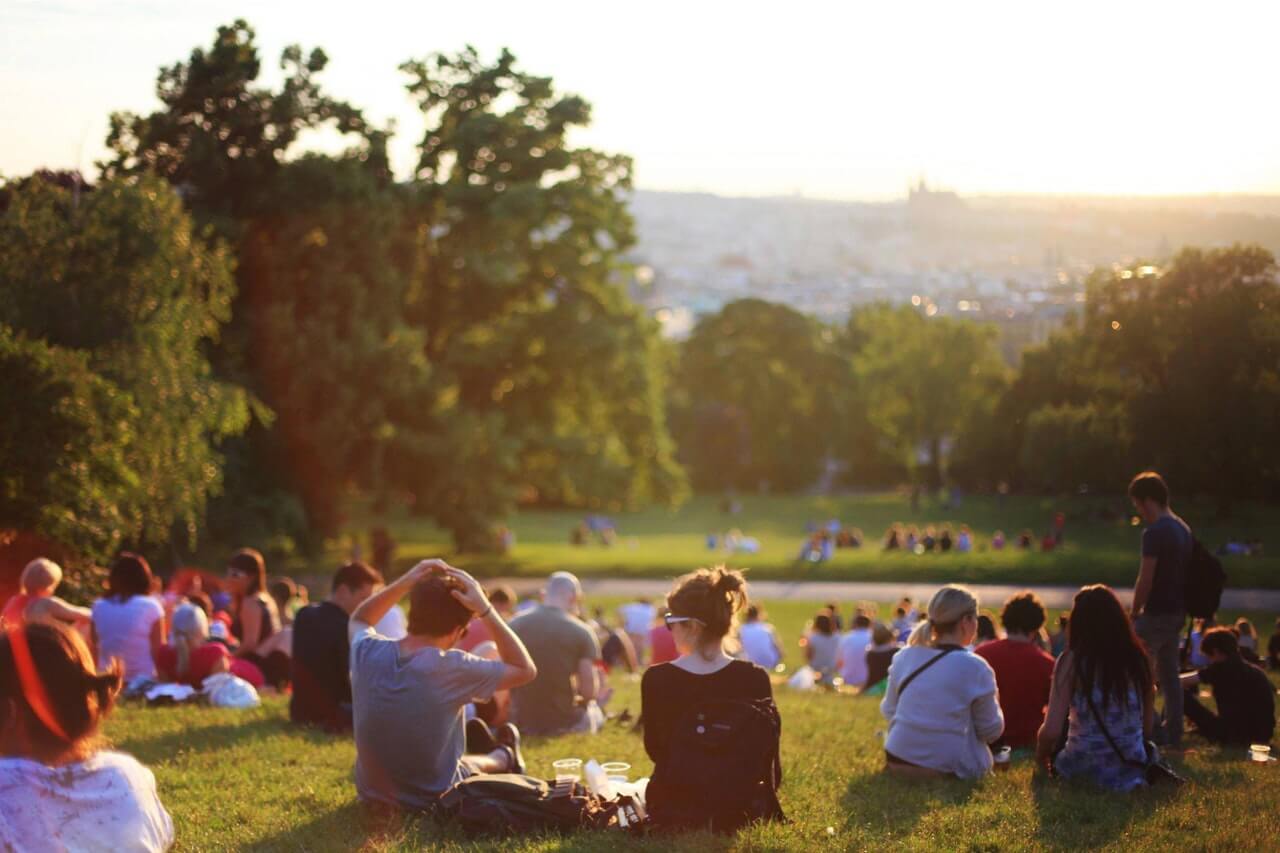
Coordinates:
x,y
557,642
409,726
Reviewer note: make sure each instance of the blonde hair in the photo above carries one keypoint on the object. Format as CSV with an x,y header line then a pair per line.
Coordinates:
x,y
41,574
947,607
190,631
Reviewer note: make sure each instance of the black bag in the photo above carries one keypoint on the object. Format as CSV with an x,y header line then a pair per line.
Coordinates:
x,y
723,767
1204,582
503,803
1156,771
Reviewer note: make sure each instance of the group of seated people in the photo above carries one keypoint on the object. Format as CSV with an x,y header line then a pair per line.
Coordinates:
x,y
930,539
472,672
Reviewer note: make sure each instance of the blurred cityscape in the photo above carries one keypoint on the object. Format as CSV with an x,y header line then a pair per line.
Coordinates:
x,y
1019,262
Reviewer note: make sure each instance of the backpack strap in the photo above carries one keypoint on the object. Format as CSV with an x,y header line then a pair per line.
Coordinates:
x,y
1093,709
912,677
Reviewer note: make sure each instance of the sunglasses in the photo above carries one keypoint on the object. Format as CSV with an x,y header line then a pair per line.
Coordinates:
x,y
672,619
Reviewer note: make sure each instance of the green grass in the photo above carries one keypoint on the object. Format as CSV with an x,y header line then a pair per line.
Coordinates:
x,y
249,781
661,543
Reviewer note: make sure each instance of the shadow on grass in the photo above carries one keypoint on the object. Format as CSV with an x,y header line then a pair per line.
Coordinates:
x,y
1077,815
893,805
213,738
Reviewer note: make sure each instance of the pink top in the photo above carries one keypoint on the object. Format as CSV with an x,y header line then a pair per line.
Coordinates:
x,y
662,645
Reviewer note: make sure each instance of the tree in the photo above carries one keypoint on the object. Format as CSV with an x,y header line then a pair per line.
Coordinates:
x,y
760,379
921,378
122,278
548,375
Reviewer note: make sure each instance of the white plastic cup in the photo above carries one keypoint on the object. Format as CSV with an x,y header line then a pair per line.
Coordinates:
x,y
568,770
1260,752
1002,757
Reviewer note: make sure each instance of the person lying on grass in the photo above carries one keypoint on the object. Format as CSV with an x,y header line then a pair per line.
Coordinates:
x,y
941,701
1245,698
408,695
1103,692
59,790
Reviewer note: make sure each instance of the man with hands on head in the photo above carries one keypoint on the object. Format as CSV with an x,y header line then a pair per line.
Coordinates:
x,y
408,695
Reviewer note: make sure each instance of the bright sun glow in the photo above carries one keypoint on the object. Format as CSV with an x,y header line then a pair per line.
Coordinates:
x,y
849,100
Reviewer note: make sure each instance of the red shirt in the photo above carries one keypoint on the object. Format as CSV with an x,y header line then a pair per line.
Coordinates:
x,y
477,633
14,608
199,666
662,645
1023,676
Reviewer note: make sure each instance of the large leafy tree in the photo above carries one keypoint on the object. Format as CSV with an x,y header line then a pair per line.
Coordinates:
x,y
120,278
548,376
920,380
758,388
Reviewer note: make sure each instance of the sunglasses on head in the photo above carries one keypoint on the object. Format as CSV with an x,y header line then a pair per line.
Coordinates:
x,y
672,619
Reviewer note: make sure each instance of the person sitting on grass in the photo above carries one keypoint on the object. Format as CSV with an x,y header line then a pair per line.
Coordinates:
x,y
1273,648
192,657
1023,671
321,672
941,701
700,611
571,687
408,696
880,655
986,630
822,646
852,654
1247,639
59,790
254,617
128,623
503,599
1103,693
759,639
39,579
1245,698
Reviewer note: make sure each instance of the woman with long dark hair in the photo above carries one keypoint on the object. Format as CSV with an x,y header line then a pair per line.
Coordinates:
x,y
1103,693
254,617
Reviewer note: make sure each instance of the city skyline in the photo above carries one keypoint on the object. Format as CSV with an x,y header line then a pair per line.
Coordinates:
x,y
992,98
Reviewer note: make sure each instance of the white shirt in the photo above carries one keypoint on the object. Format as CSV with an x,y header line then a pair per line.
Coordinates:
x,y
124,632
393,626
108,802
947,716
638,617
759,643
853,656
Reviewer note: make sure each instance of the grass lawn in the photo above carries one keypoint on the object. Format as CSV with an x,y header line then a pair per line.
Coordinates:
x,y
661,543
248,780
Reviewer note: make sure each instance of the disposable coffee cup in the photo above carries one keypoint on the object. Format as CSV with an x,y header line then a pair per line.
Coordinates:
x,y
617,771
1260,752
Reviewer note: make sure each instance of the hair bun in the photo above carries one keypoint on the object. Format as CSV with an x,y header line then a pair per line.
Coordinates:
x,y
728,581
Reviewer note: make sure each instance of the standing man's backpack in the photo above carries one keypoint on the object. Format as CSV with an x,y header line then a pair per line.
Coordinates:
x,y
723,767
1204,582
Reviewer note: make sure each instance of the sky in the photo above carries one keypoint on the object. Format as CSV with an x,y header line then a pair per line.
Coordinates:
x,y
848,100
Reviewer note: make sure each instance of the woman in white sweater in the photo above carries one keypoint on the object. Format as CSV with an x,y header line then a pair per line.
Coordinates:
x,y
941,701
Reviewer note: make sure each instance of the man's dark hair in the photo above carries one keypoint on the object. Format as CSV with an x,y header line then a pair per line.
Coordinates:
x,y
130,576
1149,486
1023,614
355,575
1220,641
282,590
433,611
501,595
862,621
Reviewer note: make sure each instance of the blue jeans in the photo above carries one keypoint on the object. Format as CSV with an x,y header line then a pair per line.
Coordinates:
x,y
1162,632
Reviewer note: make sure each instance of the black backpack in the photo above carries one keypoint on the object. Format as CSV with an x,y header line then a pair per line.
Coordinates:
x,y
510,803
1204,582
723,767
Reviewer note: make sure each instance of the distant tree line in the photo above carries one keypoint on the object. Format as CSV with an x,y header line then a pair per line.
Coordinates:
x,y
219,340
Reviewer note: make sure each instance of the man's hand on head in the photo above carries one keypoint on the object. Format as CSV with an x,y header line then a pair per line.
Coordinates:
x,y
467,590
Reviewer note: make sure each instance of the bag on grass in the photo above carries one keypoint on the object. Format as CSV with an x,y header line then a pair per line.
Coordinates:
x,y
510,803
225,690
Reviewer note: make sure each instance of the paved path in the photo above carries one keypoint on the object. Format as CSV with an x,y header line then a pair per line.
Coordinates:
x,y
991,595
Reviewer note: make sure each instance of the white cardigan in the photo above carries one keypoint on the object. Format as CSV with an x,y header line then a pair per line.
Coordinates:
x,y
947,716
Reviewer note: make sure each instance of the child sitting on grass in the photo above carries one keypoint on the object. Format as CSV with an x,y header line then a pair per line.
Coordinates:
x,y
39,580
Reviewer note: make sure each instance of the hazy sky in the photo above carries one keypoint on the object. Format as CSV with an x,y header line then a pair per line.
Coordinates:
x,y
834,99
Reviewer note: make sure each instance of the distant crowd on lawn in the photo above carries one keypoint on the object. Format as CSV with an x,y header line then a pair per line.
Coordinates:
x,y
447,691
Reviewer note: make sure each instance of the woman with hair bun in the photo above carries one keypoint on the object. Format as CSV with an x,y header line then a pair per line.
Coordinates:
x,y
58,788
710,724
941,700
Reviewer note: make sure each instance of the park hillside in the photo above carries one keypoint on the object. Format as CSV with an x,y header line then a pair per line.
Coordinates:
x,y
224,337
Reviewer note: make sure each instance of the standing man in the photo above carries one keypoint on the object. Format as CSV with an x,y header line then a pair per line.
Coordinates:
x,y
409,694
1159,603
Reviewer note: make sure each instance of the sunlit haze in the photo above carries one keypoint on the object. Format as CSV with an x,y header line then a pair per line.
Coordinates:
x,y
850,100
